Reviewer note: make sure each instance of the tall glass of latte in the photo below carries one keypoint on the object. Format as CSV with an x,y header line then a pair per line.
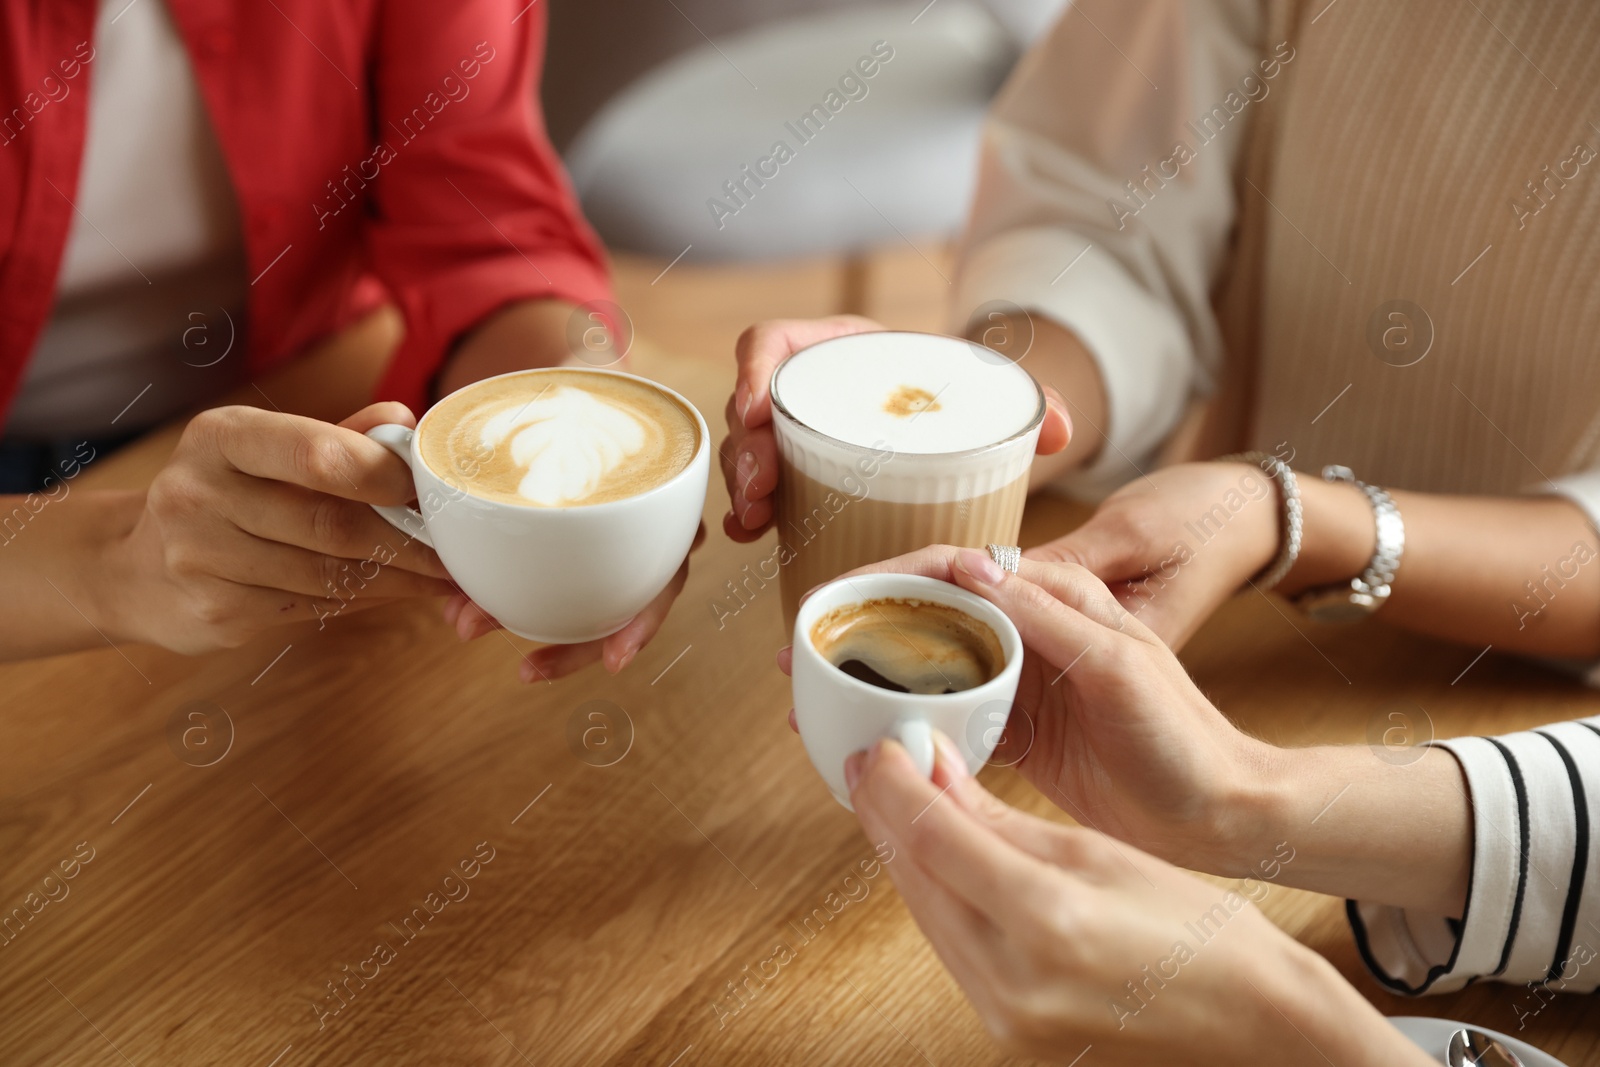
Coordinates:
x,y
889,442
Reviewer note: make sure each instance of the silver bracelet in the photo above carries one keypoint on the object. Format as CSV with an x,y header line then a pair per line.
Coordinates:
x,y
1369,590
1291,525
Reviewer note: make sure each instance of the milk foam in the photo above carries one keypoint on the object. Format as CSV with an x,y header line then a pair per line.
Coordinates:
x,y
875,387
568,442
558,438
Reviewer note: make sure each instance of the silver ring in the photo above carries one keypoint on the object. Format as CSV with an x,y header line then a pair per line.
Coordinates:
x,y
1009,557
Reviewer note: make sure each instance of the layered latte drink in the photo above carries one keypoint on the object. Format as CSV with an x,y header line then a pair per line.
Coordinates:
x,y
893,441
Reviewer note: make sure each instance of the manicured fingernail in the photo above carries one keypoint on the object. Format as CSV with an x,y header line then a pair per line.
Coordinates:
x,y
979,566
793,723
741,401
951,756
853,766
627,658
748,467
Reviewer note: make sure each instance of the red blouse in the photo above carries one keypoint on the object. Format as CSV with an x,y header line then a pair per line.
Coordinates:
x,y
391,139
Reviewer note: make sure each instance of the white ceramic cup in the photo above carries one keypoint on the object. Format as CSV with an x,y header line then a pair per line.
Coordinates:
x,y
559,575
839,715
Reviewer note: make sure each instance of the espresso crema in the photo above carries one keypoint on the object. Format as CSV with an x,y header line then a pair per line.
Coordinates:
x,y
909,646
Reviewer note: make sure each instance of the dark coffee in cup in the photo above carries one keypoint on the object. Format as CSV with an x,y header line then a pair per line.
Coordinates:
x,y
909,646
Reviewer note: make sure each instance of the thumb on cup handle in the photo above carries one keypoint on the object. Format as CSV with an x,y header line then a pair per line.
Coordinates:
x,y
917,737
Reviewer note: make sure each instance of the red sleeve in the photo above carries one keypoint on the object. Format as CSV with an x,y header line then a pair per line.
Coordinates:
x,y
471,209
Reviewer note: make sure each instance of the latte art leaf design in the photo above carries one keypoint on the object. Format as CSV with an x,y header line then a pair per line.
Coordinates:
x,y
566,441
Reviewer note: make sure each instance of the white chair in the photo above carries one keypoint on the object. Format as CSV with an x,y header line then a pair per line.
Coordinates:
x,y
686,157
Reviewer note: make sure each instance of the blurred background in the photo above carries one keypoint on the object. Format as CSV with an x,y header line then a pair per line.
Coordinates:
x,y
657,105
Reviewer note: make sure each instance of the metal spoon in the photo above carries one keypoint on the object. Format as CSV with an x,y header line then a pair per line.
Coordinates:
x,y
1474,1048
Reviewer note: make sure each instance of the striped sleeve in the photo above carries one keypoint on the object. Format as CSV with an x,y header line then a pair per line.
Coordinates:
x,y
1533,902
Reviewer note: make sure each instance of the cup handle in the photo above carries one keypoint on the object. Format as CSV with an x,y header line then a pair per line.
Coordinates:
x,y
407,520
917,737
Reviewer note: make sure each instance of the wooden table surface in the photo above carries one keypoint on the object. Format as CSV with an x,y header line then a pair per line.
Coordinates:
x,y
628,870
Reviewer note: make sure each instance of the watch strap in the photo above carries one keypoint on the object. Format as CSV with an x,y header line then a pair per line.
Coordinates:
x,y
1368,591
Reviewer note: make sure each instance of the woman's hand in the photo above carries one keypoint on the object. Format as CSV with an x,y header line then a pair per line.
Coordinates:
x,y
1064,941
1123,740
557,661
1177,543
750,451
261,518
1120,737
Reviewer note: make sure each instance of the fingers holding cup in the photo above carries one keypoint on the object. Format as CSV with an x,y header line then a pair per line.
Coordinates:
x,y
898,656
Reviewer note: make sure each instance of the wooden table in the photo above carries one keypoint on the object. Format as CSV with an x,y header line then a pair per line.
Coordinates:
x,y
336,779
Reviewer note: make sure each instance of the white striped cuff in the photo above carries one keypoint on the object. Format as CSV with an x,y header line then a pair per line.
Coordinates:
x,y
1533,902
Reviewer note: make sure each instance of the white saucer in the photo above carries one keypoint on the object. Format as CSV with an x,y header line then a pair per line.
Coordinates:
x,y
1433,1037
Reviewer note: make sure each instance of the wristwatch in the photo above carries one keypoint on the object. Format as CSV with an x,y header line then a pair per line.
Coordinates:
x,y
1365,593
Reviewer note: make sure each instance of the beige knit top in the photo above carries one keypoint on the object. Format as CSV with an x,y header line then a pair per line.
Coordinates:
x,y
1364,231
1367,229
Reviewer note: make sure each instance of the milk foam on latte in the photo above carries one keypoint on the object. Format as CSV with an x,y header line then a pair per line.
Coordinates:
x,y
911,392
558,438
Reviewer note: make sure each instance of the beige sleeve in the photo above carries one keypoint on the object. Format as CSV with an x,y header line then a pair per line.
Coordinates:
x,y
1105,200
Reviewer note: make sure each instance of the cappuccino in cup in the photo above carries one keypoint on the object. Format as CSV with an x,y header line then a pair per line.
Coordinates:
x,y
889,442
561,501
558,438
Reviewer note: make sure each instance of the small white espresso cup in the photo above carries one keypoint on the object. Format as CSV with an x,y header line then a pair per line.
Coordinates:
x,y
558,575
839,715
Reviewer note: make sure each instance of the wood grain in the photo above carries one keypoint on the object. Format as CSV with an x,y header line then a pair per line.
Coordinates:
x,y
370,759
